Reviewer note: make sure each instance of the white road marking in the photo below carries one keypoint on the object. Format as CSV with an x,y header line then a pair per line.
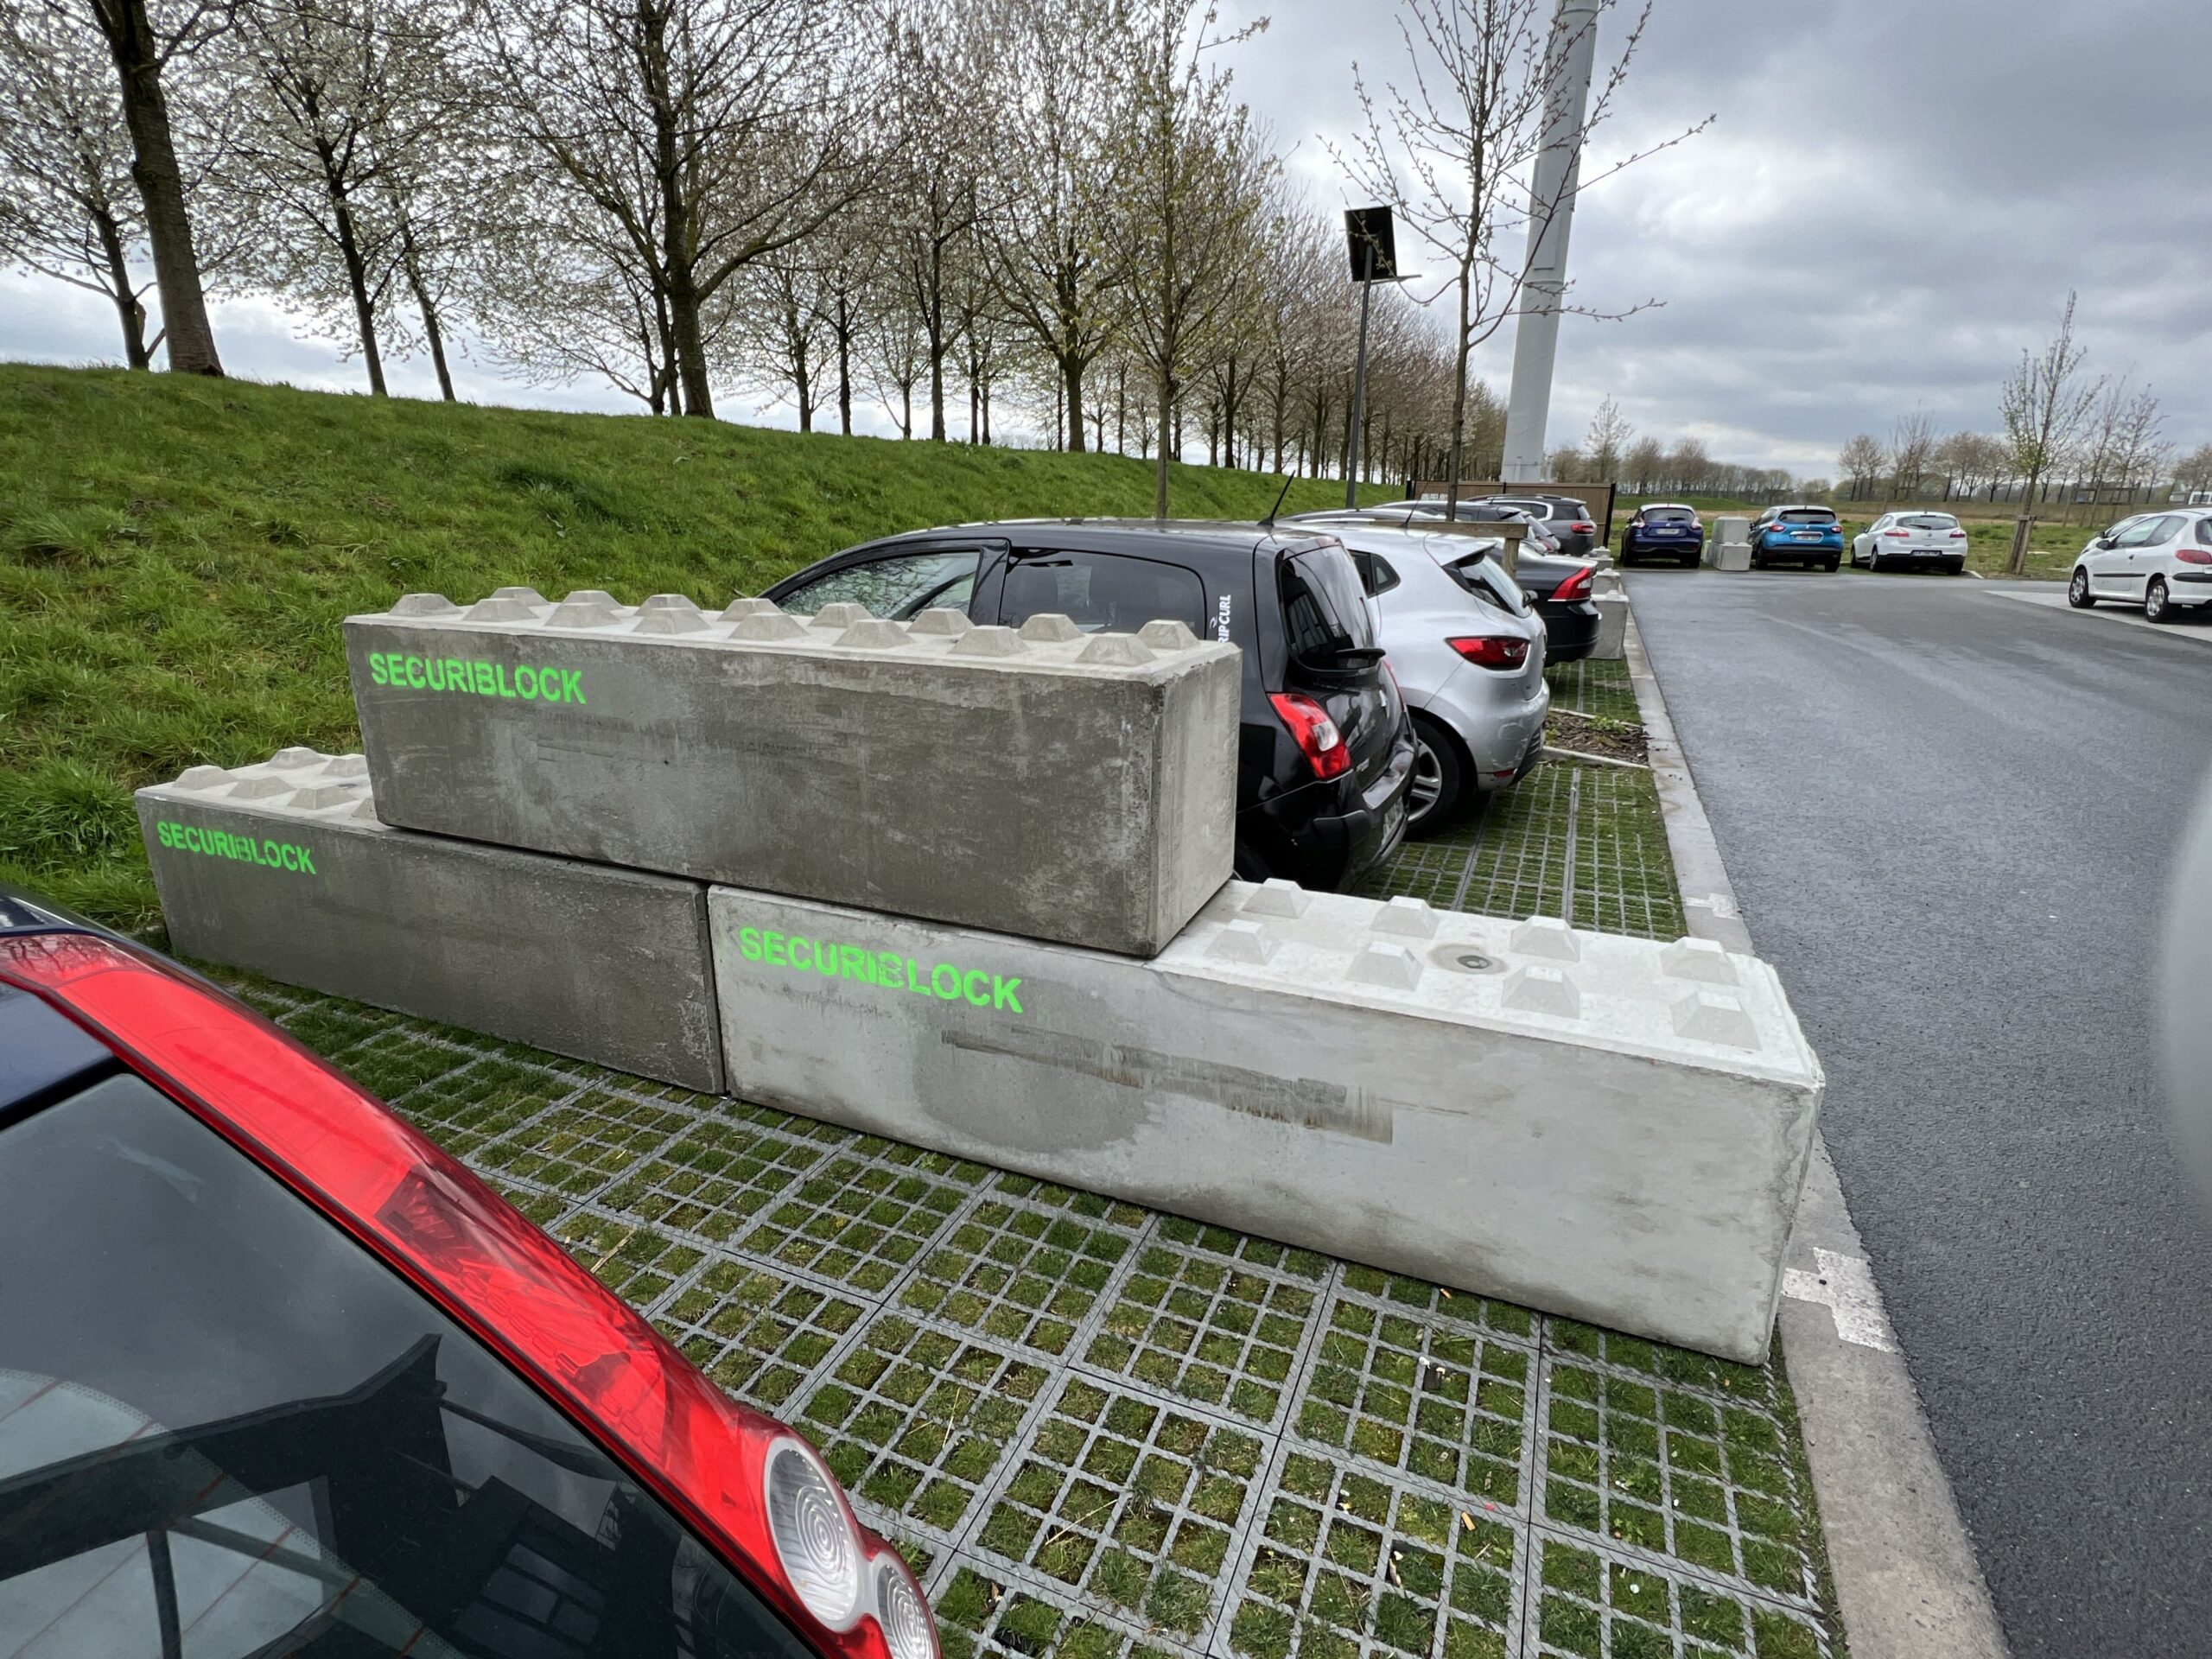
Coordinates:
x,y
1719,904
1845,1286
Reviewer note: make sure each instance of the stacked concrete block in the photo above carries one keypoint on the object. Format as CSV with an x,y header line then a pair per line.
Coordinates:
x,y
1604,1127
1613,626
1729,547
283,869
1043,781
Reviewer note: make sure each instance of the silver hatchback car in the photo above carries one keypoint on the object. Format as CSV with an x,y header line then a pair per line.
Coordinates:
x,y
1468,654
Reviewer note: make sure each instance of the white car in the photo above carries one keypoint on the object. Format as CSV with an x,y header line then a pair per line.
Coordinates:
x,y
1913,538
2161,561
1468,654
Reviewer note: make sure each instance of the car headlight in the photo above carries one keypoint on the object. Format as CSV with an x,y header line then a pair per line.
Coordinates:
x,y
814,1536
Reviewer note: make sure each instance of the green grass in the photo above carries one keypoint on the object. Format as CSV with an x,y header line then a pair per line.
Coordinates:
x,y
175,555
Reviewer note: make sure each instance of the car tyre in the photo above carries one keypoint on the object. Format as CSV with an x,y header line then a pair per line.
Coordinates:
x,y
2077,590
1832,562
2157,606
1439,786
1955,568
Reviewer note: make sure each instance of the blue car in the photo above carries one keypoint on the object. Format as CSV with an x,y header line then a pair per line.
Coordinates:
x,y
1806,535
1664,530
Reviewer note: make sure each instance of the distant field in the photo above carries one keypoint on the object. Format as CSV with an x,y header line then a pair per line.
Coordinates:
x,y
175,555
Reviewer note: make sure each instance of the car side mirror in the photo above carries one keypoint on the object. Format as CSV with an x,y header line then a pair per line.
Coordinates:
x,y
2104,541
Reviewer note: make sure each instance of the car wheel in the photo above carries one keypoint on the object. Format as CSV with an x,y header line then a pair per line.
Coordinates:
x,y
1955,568
2077,590
1832,563
1439,781
2157,607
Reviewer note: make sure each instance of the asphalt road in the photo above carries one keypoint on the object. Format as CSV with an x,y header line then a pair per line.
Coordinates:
x,y
1949,817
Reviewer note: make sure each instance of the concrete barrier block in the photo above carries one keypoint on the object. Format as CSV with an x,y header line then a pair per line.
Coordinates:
x,y
1612,628
1728,556
1040,781
1517,1109
284,869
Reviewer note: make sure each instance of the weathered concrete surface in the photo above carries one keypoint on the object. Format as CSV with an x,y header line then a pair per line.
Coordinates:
x,y
282,868
1728,556
1613,626
1607,1128
1046,783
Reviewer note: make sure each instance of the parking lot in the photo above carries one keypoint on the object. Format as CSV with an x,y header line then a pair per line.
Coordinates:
x,y
1097,1430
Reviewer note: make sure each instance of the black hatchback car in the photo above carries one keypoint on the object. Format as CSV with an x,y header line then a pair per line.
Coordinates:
x,y
1325,754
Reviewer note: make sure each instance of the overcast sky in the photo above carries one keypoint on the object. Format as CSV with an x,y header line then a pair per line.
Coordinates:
x,y
1894,199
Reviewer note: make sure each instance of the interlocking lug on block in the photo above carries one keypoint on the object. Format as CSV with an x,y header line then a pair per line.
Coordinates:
x,y
1051,627
1539,989
1548,936
1276,896
1168,635
1114,650
1409,917
1243,942
941,621
1698,959
989,640
1380,962
1715,1017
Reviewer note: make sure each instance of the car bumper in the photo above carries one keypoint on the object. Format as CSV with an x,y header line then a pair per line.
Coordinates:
x,y
1570,630
1498,725
1694,545
1331,850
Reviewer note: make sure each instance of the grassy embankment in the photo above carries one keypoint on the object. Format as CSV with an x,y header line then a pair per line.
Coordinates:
x,y
175,555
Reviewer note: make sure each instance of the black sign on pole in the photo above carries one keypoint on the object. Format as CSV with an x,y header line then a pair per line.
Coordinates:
x,y
1369,234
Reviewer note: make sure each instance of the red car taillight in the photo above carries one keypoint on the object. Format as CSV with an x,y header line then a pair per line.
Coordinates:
x,y
1316,734
1492,651
1583,528
728,1471
2193,554
1958,535
1577,585
1900,534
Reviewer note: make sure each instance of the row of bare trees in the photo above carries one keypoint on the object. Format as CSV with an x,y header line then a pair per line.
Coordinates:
x,y
2091,442
1062,204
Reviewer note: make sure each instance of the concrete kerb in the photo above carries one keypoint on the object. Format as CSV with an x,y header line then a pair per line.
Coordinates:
x,y
1907,1582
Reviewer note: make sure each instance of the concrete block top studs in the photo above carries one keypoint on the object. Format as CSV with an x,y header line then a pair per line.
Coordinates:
x,y
1538,977
298,783
1412,919
1276,896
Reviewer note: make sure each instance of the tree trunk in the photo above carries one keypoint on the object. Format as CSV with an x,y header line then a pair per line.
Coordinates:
x,y
1458,460
129,312
1160,472
136,53
1071,374
357,279
844,364
432,332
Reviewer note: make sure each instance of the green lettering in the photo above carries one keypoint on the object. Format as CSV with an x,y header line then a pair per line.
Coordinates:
x,y
376,667
748,943
793,949
433,669
527,690
572,685
484,685
1002,993
275,855
825,959
890,973
162,828
774,944
915,983
499,675
944,979
458,677
285,856
415,671
981,999
856,963
307,861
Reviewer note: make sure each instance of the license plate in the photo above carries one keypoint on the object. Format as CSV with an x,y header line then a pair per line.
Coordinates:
x,y
1808,535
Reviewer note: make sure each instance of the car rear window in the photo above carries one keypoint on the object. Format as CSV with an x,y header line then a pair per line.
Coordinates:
x,y
225,1429
1104,592
1926,521
1484,578
1668,516
1323,610
1808,516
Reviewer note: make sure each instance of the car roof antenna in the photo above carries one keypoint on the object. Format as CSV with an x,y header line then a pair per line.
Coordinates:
x,y
1269,523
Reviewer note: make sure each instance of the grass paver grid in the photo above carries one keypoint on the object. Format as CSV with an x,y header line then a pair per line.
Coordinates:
x,y
1506,857
1624,871
1206,1316
1342,1563
1591,687
1592,1602
1025,1273
1131,1501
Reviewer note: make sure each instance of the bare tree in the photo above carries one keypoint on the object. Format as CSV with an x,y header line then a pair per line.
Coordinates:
x,y
141,43
1192,180
2193,472
699,136
2044,404
1607,440
68,209
1452,148
1647,458
1912,451
1861,461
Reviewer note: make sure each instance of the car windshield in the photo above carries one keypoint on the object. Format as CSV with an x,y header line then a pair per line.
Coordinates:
x,y
1808,516
226,1430
1668,516
1928,521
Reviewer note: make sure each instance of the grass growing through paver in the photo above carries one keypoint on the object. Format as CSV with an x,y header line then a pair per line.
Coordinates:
x,y
1242,1449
